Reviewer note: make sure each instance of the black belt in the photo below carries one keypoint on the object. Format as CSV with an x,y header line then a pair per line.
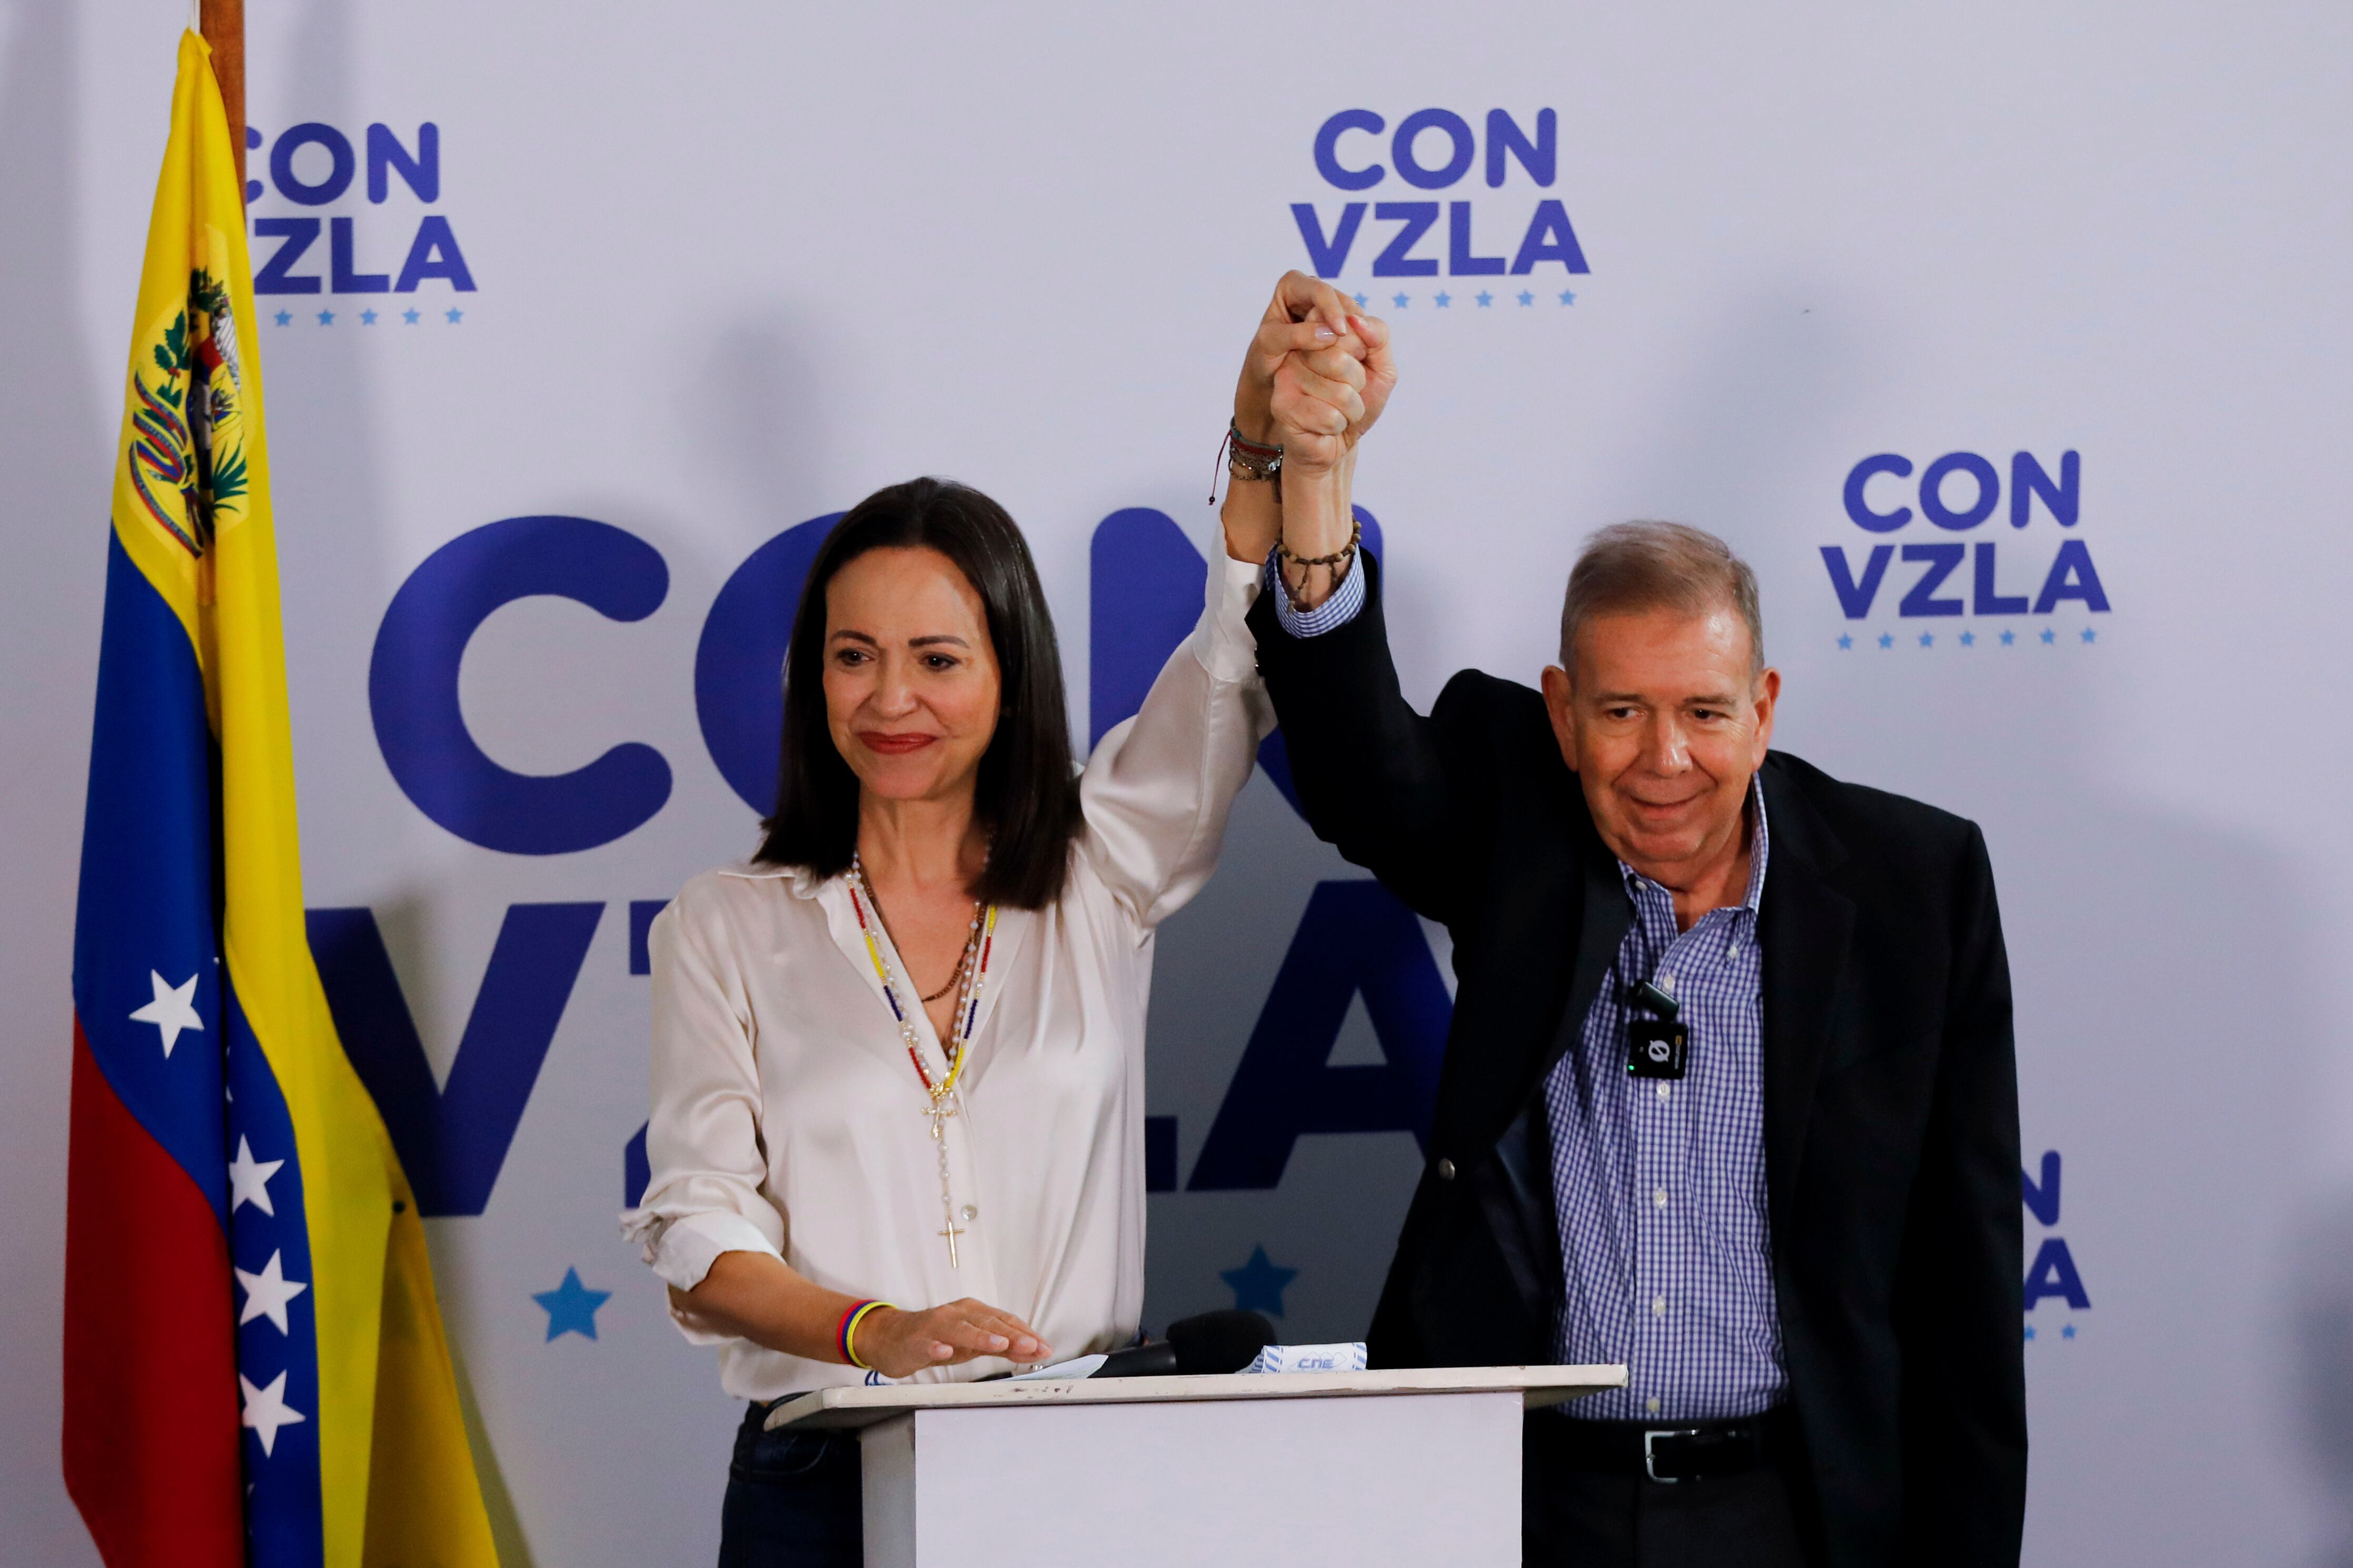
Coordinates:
x,y
1688,1451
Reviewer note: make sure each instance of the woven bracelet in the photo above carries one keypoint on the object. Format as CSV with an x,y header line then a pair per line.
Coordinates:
x,y
1247,460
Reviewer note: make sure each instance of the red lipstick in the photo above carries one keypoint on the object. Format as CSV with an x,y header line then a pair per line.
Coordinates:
x,y
891,745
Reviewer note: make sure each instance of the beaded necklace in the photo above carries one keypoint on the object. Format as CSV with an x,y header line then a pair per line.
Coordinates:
x,y
956,1046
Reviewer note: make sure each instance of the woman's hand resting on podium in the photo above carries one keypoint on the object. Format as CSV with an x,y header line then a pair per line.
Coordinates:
x,y
895,1342
755,1296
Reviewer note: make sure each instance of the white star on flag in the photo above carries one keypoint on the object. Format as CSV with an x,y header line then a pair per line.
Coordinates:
x,y
249,1180
266,1410
266,1293
173,1010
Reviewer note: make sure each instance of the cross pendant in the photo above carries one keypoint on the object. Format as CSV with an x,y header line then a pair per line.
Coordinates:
x,y
951,1233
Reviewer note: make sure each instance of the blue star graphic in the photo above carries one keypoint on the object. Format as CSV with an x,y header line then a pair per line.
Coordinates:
x,y
410,316
1400,301
1485,299
326,317
456,315
1444,299
1258,1284
2008,639
1886,639
1361,300
1927,640
2089,635
1566,298
285,318
1969,639
571,1307
2049,637
367,317
1526,298
1845,641
2030,1330
2068,1332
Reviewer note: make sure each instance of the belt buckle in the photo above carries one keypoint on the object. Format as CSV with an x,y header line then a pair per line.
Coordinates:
x,y
1651,1454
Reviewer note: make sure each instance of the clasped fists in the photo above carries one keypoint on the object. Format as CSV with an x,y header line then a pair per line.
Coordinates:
x,y
1317,375
897,1344
1316,378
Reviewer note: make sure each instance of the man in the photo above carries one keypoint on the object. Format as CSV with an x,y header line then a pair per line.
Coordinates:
x,y
1729,1094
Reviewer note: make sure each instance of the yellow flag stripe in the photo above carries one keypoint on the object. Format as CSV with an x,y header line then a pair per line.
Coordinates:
x,y
418,1500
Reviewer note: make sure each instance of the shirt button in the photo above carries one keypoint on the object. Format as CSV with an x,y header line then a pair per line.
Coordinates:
x,y
1658,1198
1667,984
1445,1170
1652,1404
971,1212
1662,1091
1658,1306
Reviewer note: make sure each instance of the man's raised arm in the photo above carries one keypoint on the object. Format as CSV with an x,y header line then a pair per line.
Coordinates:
x,y
1369,770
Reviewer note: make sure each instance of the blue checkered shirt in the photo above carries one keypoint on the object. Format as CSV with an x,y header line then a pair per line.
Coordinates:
x,y
1659,1183
1337,610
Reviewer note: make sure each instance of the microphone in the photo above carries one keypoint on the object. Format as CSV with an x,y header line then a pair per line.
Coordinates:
x,y
1211,1342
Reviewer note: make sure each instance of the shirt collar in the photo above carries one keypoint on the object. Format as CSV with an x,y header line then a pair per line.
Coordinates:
x,y
1759,851
799,880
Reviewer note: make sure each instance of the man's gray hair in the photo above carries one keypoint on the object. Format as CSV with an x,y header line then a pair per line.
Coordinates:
x,y
1630,567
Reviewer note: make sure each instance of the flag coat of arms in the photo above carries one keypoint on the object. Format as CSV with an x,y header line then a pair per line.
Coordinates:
x,y
255,1369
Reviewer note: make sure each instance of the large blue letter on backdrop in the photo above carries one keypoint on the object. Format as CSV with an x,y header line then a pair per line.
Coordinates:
x,y
739,664
413,685
452,1140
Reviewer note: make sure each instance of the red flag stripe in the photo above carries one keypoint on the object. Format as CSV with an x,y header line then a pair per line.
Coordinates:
x,y
152,1410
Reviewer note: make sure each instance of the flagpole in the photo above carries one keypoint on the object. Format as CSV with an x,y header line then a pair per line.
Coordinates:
x,y
223,29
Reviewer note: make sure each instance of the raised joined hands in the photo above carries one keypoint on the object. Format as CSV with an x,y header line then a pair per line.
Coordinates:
x,y
1317,375
1316,378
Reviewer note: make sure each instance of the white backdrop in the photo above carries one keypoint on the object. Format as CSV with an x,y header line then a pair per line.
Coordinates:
x,y
732,269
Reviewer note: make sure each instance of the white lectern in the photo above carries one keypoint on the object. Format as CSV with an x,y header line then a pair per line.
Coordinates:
x,y
1351,1469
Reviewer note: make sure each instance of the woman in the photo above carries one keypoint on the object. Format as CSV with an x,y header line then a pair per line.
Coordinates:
x,y
898,1085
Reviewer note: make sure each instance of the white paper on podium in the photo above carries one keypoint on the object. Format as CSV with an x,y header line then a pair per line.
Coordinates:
x,y
1080,1366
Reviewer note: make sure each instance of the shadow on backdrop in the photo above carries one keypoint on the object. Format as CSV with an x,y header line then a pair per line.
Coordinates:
x,y
55,407
2320,1298
2163,1008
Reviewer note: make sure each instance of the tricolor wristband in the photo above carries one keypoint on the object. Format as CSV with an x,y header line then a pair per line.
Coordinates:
x,y
848,1327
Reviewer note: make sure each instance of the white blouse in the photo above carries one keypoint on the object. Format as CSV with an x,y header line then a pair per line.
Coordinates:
x,y
788,1119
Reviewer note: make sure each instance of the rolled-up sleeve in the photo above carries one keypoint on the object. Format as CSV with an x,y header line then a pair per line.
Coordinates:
x,y
1157,791
702,1141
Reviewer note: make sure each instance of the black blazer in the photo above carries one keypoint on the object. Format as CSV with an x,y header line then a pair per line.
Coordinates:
x,y
1891,1098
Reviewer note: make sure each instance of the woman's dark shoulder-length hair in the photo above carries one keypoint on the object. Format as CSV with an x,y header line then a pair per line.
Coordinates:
x,y
1028,792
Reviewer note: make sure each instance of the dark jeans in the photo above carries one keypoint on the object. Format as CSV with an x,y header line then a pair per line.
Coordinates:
x,y
1573,1518
793,1500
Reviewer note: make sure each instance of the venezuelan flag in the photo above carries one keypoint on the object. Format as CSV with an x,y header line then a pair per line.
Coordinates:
x,y
254,1362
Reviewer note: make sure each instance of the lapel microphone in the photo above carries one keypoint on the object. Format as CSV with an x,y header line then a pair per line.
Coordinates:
x,y
1660,1047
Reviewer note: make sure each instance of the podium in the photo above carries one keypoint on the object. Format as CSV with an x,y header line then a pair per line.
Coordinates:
x,y
1415,1469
